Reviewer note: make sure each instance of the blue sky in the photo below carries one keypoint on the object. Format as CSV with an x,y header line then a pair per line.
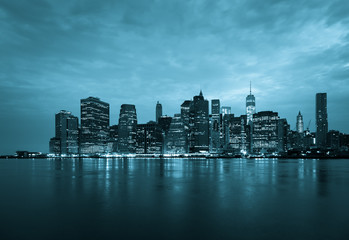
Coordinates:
x,y
53,53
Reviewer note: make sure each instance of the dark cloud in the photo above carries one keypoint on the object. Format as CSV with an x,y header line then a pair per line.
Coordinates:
x,y
53,53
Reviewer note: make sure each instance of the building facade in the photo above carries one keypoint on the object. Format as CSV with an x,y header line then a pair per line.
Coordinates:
x,y
265,132
127,129
94,126
158,111
321,119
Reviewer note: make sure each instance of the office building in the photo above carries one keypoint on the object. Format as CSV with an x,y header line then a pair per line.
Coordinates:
x,y
321,119
66,140
250,106
158,111
265,132
215,126
300,125
94,126
149,138
127,129
176,140
199,127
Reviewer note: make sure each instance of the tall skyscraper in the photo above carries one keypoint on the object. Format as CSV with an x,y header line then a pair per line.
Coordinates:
x,y
300,125
176,141
265,132
94,125
199,138
127,129
158,113
250,106
321,119
215,126
67,133
215,106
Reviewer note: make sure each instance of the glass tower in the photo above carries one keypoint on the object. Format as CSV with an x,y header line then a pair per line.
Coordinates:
x,y
321,119
250,106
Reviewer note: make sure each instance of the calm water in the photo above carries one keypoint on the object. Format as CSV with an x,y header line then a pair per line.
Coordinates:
x,y
174,199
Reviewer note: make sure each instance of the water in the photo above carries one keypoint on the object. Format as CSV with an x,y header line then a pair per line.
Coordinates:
x,y
174,199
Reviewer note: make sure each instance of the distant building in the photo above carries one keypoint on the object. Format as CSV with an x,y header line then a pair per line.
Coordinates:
x,y
94,125
225,110
66,140
215,126
149,138
113,137
321,119
176,140
238,134
158,111
333,140
300,124
283,131
250,106
199,137
265,132
127,129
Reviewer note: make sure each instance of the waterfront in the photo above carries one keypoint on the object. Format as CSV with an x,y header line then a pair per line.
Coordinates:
x,y
174,198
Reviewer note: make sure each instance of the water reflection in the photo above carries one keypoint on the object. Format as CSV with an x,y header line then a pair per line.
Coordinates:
x,y
183,198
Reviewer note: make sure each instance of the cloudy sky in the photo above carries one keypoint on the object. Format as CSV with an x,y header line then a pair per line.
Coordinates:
x,y
53,53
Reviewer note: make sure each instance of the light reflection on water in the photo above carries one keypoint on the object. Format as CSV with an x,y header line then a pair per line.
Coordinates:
x,y
174,198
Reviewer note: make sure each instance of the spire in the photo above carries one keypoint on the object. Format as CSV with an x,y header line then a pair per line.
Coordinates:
x,y
250,87
200,93
299,113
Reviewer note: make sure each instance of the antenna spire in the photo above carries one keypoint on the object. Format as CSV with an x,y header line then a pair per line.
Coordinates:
x,y
250,87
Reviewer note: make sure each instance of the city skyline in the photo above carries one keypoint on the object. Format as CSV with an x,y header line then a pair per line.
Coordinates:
x,y
54,54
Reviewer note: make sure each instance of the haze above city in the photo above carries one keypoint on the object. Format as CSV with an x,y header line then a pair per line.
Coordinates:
x,y
54,53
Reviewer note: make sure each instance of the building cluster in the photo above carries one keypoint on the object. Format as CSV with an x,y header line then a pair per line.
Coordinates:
x,y
193,130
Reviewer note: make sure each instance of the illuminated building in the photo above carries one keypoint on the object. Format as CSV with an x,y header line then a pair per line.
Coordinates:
x,y
113,137
67,133
94,125
127,129
215,126
176,140
321,119
199,128
149,138
158,112
283,131
250,106
238,134
225,110
300,125
265,132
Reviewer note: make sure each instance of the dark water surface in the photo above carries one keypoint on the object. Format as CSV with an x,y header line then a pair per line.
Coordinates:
x,y
174,199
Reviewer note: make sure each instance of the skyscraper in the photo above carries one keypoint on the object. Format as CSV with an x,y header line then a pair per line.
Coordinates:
x,y
94,125
300,125
67,132
215,126
158,113
225,110
199,138
321,119
176,140
250,106
127,129
265,132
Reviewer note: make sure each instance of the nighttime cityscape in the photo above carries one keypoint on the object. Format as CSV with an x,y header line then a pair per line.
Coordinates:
x,y
174,119
192,132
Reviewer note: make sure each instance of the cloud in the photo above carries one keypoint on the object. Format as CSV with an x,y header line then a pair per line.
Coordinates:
x,y
55,53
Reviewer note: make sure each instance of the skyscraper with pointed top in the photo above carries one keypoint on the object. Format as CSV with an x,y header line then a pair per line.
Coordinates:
x,y
300,125
199,137
158,112
250,106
